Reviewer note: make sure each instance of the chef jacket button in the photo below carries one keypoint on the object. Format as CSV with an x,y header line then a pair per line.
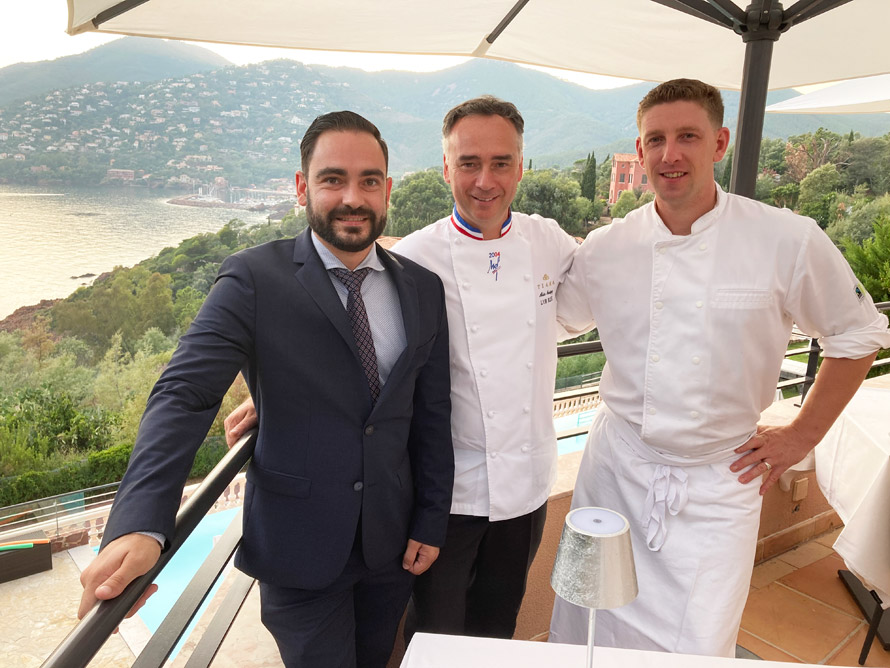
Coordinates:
x,y
525,448
527,277
703,246
483,373
466,285
531,323
458,242
693,414
526,409
529,365
662,250
654,358
474,328
491,414
493,455
652,411
659,305
696,359
699,304
358,486
369,430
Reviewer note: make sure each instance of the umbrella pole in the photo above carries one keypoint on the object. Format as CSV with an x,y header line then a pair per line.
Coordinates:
x,y
755,81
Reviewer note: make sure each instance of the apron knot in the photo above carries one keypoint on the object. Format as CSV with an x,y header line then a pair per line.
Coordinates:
x,y
667,494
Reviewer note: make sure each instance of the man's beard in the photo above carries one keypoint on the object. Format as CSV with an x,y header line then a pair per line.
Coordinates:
x,y
323,226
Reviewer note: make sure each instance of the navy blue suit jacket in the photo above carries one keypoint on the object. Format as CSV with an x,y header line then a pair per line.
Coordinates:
x,y
325,457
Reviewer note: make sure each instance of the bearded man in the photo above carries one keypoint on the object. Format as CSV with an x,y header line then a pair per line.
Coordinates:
x,y
345,349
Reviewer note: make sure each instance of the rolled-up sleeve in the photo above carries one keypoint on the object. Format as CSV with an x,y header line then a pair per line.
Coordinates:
x,y
828,302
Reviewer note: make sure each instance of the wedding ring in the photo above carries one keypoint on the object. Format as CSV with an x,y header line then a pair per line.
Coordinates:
x,y
769,467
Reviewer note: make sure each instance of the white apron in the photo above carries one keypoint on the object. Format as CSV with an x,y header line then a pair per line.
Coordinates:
x,y
694,532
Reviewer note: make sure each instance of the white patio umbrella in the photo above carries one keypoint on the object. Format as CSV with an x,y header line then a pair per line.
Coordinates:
x,y
654,40
857,96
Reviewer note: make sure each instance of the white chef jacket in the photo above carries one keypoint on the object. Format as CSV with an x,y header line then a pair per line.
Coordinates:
x,y
695,327
500,296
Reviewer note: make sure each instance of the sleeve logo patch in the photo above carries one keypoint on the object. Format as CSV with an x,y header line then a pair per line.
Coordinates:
x,y
860,291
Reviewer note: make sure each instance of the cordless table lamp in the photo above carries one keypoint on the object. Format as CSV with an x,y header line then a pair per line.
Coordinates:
x,y
594,565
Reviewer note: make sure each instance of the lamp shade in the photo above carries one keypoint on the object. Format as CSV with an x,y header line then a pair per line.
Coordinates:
x,y
594,565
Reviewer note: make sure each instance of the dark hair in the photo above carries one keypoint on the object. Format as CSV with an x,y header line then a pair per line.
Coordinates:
x,y
690,90
338,121
486,105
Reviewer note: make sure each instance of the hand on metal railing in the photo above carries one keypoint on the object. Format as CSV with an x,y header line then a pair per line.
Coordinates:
x,y
81,645
122,561
240,421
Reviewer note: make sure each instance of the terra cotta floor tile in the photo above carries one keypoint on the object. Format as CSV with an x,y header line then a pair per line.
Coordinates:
x,y
798,624
820,580
769,571
849,654
806,554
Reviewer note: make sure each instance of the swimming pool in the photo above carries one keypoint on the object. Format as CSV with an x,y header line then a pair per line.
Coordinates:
x,y
173,580
575,443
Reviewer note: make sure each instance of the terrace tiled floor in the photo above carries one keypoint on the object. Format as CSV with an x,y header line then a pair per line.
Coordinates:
x,y
798,611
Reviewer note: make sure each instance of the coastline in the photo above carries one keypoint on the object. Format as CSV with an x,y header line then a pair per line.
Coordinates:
x,y
277,209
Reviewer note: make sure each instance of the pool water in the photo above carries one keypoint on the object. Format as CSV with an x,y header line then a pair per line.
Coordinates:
x,y
173,580
576,443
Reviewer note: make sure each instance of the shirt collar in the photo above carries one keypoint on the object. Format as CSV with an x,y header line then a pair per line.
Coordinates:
x,y
331,261
466,229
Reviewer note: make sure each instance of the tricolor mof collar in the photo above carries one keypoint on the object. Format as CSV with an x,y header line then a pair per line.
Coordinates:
x,y
468,230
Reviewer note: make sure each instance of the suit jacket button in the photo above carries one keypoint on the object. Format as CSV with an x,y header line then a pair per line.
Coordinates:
x,y
369,430
358,486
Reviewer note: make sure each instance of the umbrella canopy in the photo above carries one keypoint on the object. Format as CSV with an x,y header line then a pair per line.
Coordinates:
x,y
654,40
858,96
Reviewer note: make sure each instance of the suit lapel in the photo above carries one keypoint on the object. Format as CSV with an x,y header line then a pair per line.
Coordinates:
x,y
314,278
408,300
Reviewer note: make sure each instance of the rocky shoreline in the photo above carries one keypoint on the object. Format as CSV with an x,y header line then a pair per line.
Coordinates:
x,y
24,316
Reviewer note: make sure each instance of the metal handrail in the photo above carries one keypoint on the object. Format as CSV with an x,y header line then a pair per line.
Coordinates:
x,y
85,640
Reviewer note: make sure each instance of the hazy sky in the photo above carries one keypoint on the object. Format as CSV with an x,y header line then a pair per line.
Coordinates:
x,y
33,30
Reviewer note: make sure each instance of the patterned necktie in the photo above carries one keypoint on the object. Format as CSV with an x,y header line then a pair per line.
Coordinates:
x,y
361,329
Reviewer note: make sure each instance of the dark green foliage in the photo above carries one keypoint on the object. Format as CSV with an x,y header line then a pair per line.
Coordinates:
x,y
420,199
554,195
98,468
870,260
209,455
52,423
588,177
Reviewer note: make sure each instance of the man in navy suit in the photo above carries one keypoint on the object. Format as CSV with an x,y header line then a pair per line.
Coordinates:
x,y
349,488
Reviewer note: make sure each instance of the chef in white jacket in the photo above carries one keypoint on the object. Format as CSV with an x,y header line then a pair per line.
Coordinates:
x,y
501,270
694,296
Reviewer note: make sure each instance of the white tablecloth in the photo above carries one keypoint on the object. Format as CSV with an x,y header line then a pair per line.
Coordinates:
x,y
440,651
853,471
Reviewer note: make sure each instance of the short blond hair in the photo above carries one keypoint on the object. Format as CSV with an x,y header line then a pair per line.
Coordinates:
x,y
689,90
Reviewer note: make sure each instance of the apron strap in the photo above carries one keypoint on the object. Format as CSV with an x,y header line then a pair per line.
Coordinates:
x,y
667,494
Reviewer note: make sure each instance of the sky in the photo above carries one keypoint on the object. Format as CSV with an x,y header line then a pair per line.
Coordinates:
x,y
34,30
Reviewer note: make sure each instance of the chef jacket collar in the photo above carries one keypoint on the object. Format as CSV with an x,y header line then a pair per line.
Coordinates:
x,y
465,228
704,222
